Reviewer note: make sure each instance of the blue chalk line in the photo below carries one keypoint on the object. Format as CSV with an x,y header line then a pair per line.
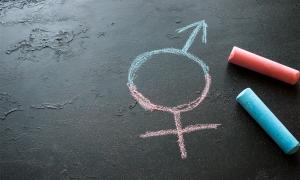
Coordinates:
x,y
142,58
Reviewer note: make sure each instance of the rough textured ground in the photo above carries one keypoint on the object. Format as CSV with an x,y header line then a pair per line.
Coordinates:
x,y
65,108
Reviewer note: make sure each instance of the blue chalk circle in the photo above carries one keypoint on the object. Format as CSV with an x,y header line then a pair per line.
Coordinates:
x,y
268,121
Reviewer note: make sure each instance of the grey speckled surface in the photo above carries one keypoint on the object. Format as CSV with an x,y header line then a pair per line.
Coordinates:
x,y
66,112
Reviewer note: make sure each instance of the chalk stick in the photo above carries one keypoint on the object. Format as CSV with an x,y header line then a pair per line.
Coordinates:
x,y
268,121
263,65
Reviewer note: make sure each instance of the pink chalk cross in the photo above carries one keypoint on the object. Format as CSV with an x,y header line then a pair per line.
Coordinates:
x,y
179,131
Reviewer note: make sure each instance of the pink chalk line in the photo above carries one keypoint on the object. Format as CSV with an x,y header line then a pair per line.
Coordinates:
x,y
148,105
179,131
187,129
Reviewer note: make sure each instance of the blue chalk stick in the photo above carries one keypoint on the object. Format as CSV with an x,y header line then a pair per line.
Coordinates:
x,y
268,121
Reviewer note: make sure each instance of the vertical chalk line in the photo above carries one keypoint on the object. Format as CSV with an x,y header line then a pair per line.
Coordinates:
x,y
180,135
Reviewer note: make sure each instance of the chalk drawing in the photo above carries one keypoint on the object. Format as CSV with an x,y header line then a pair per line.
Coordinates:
x,y
176,110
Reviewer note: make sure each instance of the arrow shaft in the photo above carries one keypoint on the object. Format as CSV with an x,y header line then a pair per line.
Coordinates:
x,y
191,39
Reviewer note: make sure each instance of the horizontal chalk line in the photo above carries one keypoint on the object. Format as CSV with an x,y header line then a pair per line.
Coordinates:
x,y
188,129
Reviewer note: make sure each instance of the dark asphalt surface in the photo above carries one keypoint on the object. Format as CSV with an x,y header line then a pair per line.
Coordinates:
x,y
66,111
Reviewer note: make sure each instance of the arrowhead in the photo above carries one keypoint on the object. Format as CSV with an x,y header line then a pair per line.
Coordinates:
x,y
197,24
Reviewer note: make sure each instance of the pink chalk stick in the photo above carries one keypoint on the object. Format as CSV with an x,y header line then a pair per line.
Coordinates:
x,y
263,65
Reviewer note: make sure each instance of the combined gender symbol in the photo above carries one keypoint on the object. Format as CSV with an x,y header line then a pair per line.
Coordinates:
x,y
177,110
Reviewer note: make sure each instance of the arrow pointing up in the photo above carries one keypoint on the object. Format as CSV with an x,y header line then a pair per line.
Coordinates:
x,y
198,25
